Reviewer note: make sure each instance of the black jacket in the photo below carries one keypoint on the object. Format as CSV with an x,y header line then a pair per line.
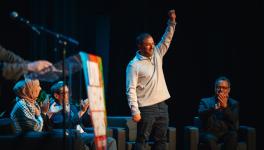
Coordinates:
x,y
220,120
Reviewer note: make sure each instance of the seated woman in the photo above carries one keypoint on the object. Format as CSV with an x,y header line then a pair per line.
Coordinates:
x,y
26,113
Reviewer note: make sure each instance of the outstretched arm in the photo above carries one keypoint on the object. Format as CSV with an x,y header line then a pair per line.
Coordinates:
x,y
9,57
165,41
13,66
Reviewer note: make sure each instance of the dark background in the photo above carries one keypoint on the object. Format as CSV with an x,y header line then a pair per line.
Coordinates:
x,y
212,38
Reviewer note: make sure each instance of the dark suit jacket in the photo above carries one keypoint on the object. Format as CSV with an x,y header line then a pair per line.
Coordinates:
x,y
220,120
71,119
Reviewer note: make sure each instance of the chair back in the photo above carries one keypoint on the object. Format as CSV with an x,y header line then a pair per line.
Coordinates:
x,y
197,122
125,122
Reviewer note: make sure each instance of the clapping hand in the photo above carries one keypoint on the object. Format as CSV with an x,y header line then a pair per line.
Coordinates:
x,y
84,105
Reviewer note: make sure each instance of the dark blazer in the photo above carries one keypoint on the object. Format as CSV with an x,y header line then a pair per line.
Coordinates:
x,y
220,120
71,119
12,66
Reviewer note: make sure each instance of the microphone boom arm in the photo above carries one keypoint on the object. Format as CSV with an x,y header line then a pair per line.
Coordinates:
x,y
38,29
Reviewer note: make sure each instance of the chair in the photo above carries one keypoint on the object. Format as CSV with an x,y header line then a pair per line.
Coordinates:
x,y
7,126
88,128
246,135
109,131
10,140
125,132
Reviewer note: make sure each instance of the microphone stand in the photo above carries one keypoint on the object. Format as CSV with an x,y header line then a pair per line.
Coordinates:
x,y
39,29
62,40
64,43
63,101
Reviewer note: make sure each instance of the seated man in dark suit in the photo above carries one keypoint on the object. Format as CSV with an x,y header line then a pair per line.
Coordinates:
x,y
219,116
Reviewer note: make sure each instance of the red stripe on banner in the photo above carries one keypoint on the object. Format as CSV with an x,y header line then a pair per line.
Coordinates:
x,y
93,58
101,142
97,59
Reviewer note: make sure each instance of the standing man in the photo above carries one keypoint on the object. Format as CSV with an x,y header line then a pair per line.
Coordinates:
x,y
219,116
146,88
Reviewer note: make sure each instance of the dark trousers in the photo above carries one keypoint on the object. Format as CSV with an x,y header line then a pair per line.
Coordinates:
x,y
154,121
88,139
211,140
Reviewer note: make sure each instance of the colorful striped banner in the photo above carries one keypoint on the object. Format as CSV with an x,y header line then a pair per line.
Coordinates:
x,y
93,75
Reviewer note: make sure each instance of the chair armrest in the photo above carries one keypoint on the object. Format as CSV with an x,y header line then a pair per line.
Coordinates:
x,y
120,136
248,134
125,122
7,126
191,138
171,135
109,131
88,130
118,121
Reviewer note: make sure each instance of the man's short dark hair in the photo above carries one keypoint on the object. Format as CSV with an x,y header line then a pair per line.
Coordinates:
x,y
140,38
222,78
55,88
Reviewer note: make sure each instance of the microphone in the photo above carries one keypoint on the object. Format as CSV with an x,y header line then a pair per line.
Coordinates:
x,y
14,15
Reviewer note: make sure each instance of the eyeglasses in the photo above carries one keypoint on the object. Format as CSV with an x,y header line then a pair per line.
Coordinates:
x,y
62,92
222,87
